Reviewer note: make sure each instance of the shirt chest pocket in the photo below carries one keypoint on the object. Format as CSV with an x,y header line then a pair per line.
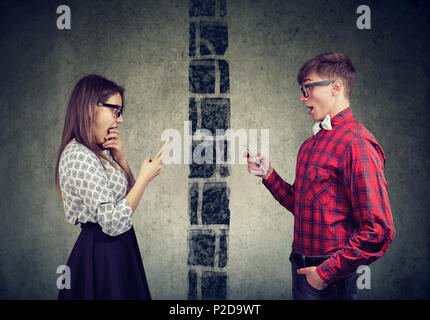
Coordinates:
x,y
320,186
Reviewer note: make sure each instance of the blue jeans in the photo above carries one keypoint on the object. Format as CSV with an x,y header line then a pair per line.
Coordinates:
x,y
342,289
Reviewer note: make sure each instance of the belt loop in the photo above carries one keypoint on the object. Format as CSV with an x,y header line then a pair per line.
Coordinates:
x,y
303,260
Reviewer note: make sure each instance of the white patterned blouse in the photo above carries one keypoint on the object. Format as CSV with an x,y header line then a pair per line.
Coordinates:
x,y
90,194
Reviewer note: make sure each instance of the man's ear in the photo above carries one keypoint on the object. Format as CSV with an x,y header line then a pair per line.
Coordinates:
x,y
338,88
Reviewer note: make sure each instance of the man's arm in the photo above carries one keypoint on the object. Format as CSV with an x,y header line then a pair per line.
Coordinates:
x,y
367,189
281,190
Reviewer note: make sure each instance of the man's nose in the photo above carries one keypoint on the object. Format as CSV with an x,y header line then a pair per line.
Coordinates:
x,y
302,98
120,119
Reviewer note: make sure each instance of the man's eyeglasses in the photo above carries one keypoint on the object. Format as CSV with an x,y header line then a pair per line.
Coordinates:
x,y
118,110
305,87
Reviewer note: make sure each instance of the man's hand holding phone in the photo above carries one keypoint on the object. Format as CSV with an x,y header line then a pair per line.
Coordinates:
x,y
259,164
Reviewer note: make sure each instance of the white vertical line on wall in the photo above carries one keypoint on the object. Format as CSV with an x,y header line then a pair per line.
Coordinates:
x,y
199,113
217,77
217,248
197,40
200,203
199,284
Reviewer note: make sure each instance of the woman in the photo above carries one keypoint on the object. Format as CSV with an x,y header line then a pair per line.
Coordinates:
x,y
98,190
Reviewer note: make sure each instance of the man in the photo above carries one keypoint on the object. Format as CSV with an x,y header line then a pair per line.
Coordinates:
x,y
342,216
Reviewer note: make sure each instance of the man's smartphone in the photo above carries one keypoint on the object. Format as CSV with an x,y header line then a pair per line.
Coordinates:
x,y
163,147
256,159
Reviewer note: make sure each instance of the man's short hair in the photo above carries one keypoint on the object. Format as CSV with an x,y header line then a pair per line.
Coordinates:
x,y
330,66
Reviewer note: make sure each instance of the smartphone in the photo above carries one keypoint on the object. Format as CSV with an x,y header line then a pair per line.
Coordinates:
x,y
256,159
163,147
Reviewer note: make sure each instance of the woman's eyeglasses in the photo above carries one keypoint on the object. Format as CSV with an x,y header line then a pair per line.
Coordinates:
x,y
305,87
118,110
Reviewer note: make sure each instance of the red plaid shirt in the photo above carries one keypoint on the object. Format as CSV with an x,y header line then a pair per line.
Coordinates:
x,y
339,198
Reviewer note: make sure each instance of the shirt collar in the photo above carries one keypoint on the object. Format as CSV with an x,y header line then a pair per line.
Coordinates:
x,y
342,116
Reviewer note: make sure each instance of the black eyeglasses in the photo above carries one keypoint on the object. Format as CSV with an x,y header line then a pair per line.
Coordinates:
x,y
305,87
118,110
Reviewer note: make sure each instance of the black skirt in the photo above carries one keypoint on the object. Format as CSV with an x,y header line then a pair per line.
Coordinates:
x,y
105,267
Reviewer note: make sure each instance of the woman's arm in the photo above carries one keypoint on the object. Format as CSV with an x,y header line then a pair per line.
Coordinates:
x,y
148,171
130,177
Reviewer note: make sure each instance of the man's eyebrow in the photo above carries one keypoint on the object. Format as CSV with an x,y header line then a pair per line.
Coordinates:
x,y
306,80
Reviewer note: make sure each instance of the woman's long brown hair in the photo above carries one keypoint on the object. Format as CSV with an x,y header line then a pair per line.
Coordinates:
x,y
78,123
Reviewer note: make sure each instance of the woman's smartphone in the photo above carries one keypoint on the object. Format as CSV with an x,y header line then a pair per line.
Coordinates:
x,y
163,147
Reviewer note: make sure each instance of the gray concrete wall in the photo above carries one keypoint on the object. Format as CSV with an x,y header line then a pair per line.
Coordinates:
x,y
143,45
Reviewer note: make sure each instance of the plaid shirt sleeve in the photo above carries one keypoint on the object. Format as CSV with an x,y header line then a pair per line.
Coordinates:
x,y
281,190
367,188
